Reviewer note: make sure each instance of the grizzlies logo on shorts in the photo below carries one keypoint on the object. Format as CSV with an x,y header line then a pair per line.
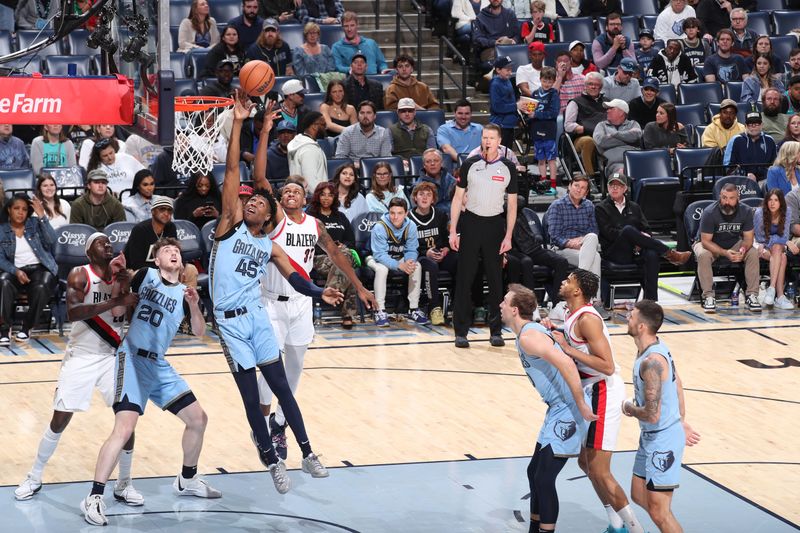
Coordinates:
x,y
662,461
564,429
658,459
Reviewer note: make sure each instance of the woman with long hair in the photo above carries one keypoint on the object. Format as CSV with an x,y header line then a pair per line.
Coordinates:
x,y
120,168
52,149
762,78
762,46
199,29
772,237
337,112
784,174
26,263
138,204
57,209
383,189
351,202
270,48
102,131
201,202
666,131
228,48
312,57
325,207
792,130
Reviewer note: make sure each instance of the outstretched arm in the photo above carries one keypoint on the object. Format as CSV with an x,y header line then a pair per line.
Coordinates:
x,y
261,166
337,257
231,205
197,320
298,282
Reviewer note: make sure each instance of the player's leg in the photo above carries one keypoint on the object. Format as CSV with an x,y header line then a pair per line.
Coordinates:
x,y
188,483
609,491
293,357
124,490
547,470
47,447
280,317
639,491
659,504
534,503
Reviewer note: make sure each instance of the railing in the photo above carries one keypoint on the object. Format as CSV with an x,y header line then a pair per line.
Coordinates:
x,y
399,16
377,14
445,43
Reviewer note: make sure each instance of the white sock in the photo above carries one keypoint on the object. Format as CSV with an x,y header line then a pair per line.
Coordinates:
x,y
47,446
125,459
630,520
613,518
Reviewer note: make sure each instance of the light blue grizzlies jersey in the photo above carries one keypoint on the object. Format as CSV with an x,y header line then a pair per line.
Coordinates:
x,y
238,261
670,408
158,315
564,428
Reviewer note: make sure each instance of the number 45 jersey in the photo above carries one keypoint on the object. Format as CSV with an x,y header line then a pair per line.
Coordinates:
x,y
158,315
238,260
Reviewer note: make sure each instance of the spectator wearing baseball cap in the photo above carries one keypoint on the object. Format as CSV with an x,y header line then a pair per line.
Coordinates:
x,y
579,64
358,87
502,100
291,110
96,207
724,126
646,52
643,108
752,147
222,85
672,66
528,76
616,135
270,48
405,85
609,48
623,83
410,137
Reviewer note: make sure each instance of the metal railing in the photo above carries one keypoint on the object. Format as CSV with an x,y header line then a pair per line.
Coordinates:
x,y
446,44
377,14
417,33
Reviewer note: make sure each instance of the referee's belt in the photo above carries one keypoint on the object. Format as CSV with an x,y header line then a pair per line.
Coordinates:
x,y
233,313
147,354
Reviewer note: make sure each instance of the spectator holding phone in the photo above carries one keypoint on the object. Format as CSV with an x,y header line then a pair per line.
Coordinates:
x,y
200,202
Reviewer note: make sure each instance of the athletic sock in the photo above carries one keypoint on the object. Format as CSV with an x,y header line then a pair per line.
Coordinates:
x,y
269,455
98,488
534,528
630,521
305,448
125,460
47,446
188,472
613,518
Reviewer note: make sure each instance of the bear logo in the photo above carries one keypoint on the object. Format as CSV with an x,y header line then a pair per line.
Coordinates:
x,y
663,460
564,429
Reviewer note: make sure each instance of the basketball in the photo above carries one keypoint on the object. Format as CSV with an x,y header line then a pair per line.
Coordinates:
x,y
256,78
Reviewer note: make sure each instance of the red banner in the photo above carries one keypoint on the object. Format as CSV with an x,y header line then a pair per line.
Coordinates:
x,y
38,99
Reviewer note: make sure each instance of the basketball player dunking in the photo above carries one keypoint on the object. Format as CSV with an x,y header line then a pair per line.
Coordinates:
x,y
97,298
239,259
556,379
586,340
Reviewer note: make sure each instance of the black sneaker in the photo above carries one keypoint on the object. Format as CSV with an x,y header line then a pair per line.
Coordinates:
x,y
497,341
278,433
753,305
462,342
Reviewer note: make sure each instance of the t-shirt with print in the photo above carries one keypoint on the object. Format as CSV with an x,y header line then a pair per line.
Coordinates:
x,y
727,229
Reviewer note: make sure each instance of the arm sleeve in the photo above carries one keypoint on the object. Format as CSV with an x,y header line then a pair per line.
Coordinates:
x,y
632,135
608,231
758,225
343,146
499,101
480,36
342,65
303,286
185,36
592,220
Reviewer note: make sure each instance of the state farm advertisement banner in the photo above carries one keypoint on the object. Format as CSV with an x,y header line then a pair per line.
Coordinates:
x,y
38,99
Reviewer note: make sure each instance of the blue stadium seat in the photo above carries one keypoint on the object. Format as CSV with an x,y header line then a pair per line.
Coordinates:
x,y
17,180
191,241
313,100
752,201
700,93
649,21
218,171
207,235
691,113
177,63
384,79
576,29
77,43
311,84
759,22
6,46
59,65
656,197
734,90
785,21
517,52
648,164
70,248
292,34
185,87
691,218
386,118
330,33
630,26
334,164
224,10
196,62
747,187
328,145
118,234
433,118
782,45
25,38
551,51
771,5
640,7
179,10
667,92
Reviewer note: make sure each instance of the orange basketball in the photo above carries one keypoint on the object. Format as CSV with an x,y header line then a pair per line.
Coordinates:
x,y
256,78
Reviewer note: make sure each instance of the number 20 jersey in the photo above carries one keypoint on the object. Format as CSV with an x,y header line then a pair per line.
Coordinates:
x,y
158,315
238,260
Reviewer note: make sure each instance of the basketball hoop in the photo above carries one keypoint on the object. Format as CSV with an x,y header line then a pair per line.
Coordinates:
x,y
198,120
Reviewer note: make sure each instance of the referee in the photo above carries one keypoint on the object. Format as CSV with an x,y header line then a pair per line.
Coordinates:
x,y
484,235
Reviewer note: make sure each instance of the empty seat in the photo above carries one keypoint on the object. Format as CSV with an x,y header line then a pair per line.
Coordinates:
x,y
785,21
576,29
649,21
383,79
691,113
313,100
26,38
330,33
699,93
647,164
551,51
759,22
292,34
118,234
177,63
782,45
734,90
385,118
5,43
667,92
185,87
179,10
17,180
196,62
771,5
640,7
225,10
656,197
433,118
59,65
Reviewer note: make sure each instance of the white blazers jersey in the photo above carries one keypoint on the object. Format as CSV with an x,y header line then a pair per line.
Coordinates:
x,y
588,375
298,240
99,334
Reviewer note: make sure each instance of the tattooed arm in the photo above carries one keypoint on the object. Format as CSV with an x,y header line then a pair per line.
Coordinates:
x,y
652,373
343,263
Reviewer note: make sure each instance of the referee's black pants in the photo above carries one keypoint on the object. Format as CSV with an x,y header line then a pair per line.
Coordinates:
x,y
480,239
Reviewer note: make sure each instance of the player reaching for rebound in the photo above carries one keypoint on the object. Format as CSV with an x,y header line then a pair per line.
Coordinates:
x,y
586,340
238,261
554,375
143,373
290,312
97,299
660,409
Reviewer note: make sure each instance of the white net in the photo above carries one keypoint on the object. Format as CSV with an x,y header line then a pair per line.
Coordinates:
x,y
196,131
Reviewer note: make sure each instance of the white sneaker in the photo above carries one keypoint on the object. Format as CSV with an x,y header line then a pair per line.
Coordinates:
x,y
196,486
280,477
313,466
94,510
559,312
784,303
125,492
769,296
27,488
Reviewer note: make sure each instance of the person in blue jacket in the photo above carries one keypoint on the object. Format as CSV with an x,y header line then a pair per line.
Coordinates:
x,y
502,100
352,43
543,125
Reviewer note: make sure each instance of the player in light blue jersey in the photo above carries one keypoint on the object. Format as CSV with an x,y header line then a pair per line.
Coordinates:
x,y
144,374
238,261
555,376
660,409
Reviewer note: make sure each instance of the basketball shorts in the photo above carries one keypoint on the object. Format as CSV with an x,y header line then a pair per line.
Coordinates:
x,y
605,398
658,459
80,374
545,149
247,339
292,320
141,378
563,429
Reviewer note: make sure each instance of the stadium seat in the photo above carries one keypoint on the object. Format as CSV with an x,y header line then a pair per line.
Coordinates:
x,y
785,21
224,10
630,26
384,79
218,171
699,93
70,250
759,22
433,118
17,180
196,62
26,38
691,113
647,164
576,29
517,52
313,100
667,92
782,45
191,241
734,90
207,236
118,234
691,218
368,165
328,145
177,63
59,65
698,133
687,159
179,10
5,43
386,118
185,87
752,201
747,187
292,34
551,50
656,197
311,84
330,33
640,7
649,21
771,5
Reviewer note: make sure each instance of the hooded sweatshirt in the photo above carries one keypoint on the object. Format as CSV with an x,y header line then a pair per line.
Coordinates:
x,y
307,159
715,136
391,245
412,88
743,149
488,27
98,216
678,71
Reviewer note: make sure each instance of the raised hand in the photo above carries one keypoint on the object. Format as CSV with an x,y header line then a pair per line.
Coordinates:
x,y
586,412
242,105
118,264
191,295
269,116
38,208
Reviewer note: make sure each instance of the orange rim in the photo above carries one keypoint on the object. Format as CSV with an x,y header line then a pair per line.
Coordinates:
x,y
201,103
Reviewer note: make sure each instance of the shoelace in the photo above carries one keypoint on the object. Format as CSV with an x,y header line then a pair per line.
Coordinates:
x,y
279,440
279,474
315,462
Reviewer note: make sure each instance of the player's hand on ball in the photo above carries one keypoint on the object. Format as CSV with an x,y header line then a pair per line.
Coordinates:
x,y
242,106
332,296
692,436
626,405
191,295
